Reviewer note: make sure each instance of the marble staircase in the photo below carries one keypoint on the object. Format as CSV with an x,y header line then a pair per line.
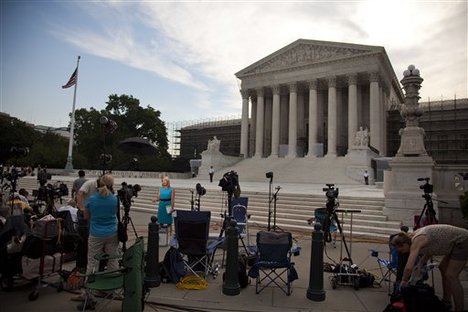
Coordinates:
x,y
292,210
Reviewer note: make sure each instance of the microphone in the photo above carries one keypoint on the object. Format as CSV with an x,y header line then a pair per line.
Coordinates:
x,y
278,188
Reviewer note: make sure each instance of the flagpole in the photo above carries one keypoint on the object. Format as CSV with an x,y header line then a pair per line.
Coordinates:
x,y
69,165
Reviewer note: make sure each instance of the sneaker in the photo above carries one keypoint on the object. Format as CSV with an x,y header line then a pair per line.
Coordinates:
x,y
90,305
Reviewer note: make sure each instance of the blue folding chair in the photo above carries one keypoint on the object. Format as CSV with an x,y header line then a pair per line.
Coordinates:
x,y
192,231
388,266
273,264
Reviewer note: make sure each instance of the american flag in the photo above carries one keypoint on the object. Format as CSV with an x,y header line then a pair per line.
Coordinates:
x,y
72,80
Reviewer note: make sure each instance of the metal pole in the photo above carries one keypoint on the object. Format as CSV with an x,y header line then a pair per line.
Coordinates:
x,y
152,277
316,292
231,286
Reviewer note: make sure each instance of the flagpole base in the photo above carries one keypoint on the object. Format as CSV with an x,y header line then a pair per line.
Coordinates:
x,y
69,165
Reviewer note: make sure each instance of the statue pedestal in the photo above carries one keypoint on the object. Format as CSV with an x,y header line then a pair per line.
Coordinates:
x,y
403,197
216,159
359,159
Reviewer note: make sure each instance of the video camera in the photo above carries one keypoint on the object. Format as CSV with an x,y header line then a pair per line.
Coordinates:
x,y
426,187
13,175
330,191
230,183
126,193
332,195
200,189
52,191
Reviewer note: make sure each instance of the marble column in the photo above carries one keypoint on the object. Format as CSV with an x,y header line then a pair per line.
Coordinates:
x,y
292,138
259,128
245,124
313,126
352,109
374,107
332,123
275,123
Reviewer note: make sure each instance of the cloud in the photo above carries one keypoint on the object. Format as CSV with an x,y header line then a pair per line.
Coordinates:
x,y
202,44
118,41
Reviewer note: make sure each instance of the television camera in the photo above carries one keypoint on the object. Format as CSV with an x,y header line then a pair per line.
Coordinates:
x,y
332,197
428,214
126,193
230,183
426,187
200,189
52,192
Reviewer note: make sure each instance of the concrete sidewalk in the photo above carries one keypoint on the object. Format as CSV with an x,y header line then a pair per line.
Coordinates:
x,y
167,297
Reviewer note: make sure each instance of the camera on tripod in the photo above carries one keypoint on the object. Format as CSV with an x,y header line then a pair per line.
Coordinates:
x,y
426,187
200,189
52,192
230,183
332,195
126,193
13,175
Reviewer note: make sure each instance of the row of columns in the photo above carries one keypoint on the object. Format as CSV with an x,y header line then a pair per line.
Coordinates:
x,y
375,119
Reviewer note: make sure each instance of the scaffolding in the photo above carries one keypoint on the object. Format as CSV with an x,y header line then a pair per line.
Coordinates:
x,y
445,123
187,139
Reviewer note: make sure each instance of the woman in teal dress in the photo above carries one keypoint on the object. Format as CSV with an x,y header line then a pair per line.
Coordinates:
x,y
166,202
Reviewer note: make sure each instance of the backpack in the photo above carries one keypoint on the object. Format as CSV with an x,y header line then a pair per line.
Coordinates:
x,y
242,272
421,297
173,266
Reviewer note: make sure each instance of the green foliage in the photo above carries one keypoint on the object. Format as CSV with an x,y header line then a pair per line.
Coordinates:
x,y
44,148
91,139
132,120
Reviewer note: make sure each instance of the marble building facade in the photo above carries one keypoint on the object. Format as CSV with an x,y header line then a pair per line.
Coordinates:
x,y
311,98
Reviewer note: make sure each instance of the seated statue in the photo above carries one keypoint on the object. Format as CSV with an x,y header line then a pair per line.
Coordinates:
x,y
213,145
362,137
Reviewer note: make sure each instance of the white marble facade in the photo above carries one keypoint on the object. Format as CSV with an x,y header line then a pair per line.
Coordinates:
x,y
310,99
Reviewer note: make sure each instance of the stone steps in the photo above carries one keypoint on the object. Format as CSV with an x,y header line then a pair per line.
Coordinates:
x,y
292,210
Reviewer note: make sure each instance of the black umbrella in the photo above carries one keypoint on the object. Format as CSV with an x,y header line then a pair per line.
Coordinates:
x,y
138,146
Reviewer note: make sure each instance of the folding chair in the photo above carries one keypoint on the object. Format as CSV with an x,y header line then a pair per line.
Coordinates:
x,y
127,279
239,214
388,267
274,261
192,231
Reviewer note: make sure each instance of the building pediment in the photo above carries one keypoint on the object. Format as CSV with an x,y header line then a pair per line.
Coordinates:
x,y
307,52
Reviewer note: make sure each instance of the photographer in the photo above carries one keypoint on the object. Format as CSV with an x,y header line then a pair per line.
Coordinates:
x,y
78,183
87,189
166,199
101,212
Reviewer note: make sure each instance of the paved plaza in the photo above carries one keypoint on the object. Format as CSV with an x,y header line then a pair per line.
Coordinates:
x,y
167,297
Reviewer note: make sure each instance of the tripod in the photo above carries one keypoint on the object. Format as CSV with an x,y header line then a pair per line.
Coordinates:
x,y
331,216
126,219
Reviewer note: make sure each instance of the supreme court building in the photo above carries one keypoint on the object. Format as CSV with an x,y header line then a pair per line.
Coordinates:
x,y
314,98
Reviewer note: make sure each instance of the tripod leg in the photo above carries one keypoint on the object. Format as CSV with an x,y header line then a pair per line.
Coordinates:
x,y
343,239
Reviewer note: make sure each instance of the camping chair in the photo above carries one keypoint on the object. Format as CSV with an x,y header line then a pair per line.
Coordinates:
x,y
274,261
239,214
127,279
192,231
388,267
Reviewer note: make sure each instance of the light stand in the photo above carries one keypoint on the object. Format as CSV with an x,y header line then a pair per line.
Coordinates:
x,y
108,126
269,175
275,198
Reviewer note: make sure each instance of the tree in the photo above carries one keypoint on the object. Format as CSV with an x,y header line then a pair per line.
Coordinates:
x,y
93,139
44,148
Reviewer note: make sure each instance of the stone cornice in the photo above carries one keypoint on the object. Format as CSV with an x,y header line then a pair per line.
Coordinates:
x,y
310,65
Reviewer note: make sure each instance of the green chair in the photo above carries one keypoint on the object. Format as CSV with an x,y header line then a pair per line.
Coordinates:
x,y
126,280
